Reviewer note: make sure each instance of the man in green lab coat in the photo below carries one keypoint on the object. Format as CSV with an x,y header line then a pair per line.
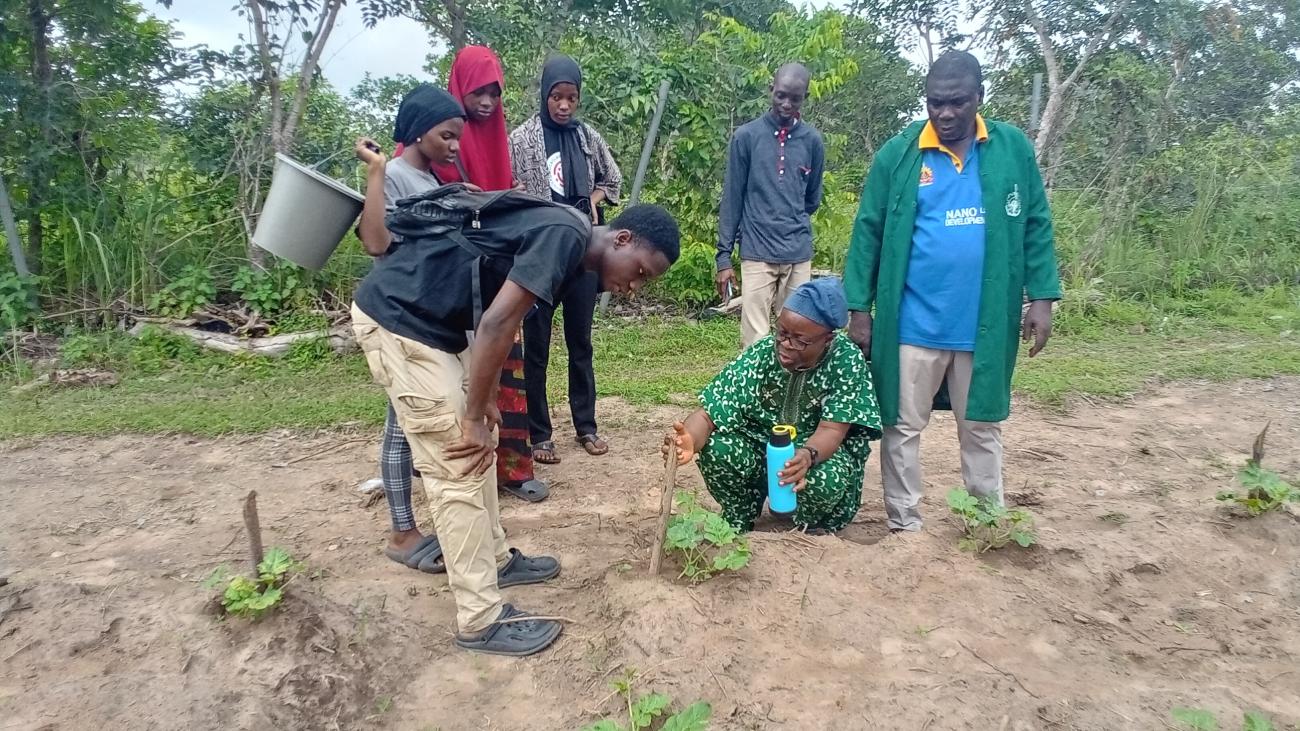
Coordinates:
x,y
952,235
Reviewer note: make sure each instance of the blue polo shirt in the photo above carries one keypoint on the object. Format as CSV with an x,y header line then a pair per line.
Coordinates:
x,y
941,297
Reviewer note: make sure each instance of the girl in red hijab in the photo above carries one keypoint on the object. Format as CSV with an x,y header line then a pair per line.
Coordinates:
x,y
484,160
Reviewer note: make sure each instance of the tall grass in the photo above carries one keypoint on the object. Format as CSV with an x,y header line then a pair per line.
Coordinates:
x,y
1225,214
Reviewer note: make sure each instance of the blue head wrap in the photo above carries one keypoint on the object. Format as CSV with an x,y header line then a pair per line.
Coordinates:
x,y
822,301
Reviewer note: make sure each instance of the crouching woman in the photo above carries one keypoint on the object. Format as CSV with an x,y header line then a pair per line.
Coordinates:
x,y
807,375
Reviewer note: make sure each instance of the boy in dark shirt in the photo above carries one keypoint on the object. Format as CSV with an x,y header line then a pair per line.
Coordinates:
x,y
414,317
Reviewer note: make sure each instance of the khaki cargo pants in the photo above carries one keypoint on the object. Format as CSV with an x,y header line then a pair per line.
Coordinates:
x,y
763,290
921,372
427,389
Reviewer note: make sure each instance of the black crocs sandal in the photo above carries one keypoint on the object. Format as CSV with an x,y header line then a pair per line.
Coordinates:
x,y
521,569
533,491
518,637
426,556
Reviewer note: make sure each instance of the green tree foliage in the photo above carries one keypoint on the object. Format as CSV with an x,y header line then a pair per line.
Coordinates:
x,y
133,162
82,86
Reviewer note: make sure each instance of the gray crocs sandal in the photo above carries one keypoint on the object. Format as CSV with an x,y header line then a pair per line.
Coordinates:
x,y
517,638
534,491
521,569
426,556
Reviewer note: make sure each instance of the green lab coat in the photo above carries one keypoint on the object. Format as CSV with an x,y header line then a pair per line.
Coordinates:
x,y
1019,260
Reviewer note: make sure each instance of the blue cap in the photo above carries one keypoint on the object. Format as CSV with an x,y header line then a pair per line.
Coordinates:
x,y
822,301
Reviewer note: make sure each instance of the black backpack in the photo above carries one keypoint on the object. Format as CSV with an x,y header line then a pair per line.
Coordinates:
x,y
447,210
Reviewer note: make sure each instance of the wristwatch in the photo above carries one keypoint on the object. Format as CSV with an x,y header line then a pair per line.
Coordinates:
x,y
812,451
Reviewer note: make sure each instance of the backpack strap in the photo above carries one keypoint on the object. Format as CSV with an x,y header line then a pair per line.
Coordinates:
x,y
476,266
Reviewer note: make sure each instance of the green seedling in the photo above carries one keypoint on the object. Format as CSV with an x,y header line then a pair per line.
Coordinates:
x,y
251,598
1265,490
706,543
988,524
1199,719
650,711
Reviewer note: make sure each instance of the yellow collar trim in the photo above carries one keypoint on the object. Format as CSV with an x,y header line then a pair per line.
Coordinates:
x,y
929,139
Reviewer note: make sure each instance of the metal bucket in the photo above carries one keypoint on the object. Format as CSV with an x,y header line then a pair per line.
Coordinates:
x,y
306,214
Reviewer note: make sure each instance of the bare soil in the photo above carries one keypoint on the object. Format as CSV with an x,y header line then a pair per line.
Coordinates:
x,y
1143,594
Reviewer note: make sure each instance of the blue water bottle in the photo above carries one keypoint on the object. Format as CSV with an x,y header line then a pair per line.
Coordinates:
x,y
781,499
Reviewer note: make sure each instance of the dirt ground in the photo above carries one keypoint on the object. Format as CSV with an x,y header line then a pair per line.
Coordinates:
x,y
1108,624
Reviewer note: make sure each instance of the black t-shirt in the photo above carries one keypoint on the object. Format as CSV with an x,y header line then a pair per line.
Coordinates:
x,y
423,289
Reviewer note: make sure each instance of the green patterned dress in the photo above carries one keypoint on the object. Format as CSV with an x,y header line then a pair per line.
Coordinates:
x,y
753,394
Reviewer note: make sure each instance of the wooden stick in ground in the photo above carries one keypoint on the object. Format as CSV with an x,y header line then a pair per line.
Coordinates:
x,y
665,506
253,528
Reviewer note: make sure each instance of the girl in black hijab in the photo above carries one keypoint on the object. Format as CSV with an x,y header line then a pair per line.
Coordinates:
x,y
427,130
556,156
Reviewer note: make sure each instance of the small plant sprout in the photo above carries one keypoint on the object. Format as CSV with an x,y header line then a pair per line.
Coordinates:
x,y
1265,490
1199,719
706,543
989,524
650,711
245,597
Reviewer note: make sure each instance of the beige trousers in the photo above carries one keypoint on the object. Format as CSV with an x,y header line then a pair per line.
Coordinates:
x,y
763,289
921,372
427,389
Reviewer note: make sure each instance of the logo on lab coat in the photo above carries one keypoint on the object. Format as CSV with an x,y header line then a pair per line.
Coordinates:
x,y
1013,202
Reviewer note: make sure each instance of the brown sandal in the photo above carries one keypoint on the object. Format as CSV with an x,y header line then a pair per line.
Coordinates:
x,y
594,445
544,453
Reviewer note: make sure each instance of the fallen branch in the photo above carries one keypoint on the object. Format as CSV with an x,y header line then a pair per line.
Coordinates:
x,y
1177,648
320,452
1004,673
340,339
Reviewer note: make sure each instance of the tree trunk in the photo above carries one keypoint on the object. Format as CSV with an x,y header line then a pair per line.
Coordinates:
x,y
458,37
39,178
1054,123
307,74
11,232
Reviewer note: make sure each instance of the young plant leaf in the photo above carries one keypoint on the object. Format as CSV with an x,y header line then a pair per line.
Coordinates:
x,y
217,576
694,717
275,563
647,708
1197,719
1256,722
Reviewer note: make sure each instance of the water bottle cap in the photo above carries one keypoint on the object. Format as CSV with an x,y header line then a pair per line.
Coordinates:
x,y
782,435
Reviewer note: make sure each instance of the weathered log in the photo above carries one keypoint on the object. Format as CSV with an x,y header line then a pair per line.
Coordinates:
x,y
275,346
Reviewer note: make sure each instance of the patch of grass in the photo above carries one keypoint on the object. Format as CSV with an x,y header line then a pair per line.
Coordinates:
x,y
1113,348
218,395
1104,348
660,361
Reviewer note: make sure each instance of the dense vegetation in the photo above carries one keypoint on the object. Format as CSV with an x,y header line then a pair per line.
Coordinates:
x,y
134,165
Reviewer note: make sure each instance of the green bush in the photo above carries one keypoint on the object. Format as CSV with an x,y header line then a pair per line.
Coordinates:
x,y
309,353
17,295
192,290
690,281
271,292
156,350
95,349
